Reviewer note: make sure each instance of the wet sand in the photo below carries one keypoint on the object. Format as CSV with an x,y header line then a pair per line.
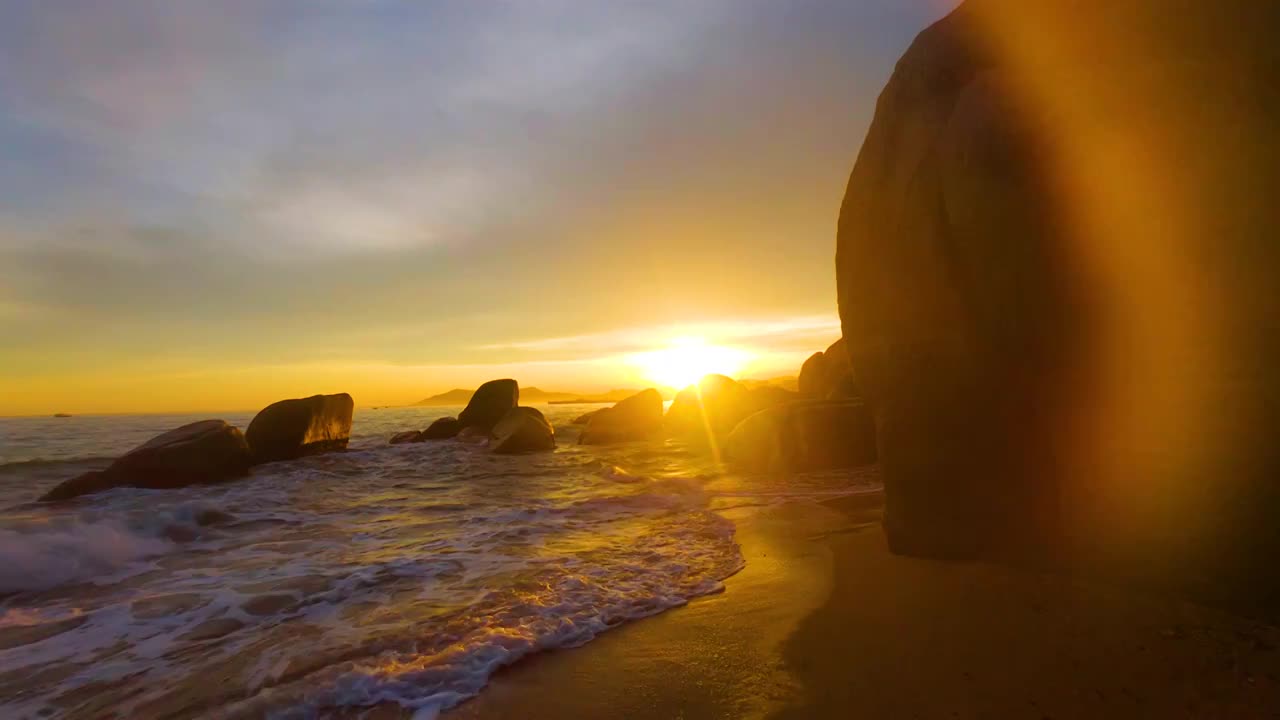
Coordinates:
x,y
824,622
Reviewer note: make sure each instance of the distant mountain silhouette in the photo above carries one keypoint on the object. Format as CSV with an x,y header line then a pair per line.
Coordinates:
x,y
534,395
456,396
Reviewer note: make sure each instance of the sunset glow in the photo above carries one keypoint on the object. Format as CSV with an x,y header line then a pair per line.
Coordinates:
x,y
686,360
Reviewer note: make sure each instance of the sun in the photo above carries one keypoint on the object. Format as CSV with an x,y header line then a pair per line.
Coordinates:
x,y
686,360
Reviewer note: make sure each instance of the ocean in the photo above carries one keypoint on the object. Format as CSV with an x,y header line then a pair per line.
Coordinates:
x,y
384,575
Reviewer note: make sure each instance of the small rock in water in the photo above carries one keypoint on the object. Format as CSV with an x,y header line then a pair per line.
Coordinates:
x,y
442,429
408,436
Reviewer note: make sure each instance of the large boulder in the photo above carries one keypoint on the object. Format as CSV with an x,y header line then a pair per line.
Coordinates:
x,y
406,437
490,403
442,429
291,429
804,436
203,452
522,429
828,375
638,417
1056,269
713,407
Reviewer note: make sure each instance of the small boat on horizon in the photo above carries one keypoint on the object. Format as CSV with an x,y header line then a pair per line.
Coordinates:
x,y
62,414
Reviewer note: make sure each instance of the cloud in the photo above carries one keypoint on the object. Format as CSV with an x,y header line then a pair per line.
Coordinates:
x,y
778,333
424,184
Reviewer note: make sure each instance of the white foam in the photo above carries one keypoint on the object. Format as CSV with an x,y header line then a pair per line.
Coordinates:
x,y
45,557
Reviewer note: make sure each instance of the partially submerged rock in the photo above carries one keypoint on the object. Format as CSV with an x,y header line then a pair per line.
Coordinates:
x,y
490,403
203,452
804,436
291,429
442,429
638,417
522,429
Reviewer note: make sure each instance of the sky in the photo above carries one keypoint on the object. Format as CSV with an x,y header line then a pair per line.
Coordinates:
x,y
212,206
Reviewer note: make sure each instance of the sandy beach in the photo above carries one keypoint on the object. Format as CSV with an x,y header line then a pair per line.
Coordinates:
x,y
824,622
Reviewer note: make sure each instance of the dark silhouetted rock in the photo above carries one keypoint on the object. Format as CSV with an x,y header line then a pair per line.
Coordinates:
x,y
585,418
812,374
291,429
442,429
406,437
804,436
828,375
717,404
522,429
636,418
83,484
767,396
490,403
203,452
1056,267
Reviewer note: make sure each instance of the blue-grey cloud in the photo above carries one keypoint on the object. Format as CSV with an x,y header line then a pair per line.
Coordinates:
x,y
263,178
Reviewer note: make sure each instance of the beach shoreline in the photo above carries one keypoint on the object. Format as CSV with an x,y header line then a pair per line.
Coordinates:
x,y
720,656
825,622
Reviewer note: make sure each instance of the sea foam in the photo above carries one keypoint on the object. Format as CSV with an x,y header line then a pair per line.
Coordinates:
x,y
43,557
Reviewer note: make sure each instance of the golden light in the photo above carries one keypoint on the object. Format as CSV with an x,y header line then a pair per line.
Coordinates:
x,y
687,360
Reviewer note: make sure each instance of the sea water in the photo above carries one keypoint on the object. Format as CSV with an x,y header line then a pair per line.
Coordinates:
x,y
384,575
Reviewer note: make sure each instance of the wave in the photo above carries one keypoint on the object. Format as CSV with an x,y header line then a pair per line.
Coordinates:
x,y
446,660
46,558
41,556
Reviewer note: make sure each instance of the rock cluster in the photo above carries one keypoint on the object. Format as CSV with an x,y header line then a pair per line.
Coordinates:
x,y
493,417
212,451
